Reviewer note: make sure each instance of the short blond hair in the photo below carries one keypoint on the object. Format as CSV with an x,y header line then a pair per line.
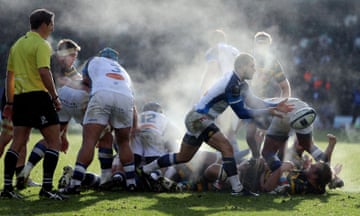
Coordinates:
x,y
66,47
243,59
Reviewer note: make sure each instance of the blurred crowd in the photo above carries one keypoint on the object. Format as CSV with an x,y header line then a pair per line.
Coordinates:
x,y
327,65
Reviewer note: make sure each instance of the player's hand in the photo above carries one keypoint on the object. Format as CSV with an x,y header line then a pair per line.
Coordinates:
x,y
284,107
332,139
7,112
64,144
57,104
337,169
307,162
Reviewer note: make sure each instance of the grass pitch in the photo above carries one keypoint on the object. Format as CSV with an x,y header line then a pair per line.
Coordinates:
x,y
344,201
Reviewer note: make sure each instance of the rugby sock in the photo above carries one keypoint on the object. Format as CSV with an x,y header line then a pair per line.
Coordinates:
x,y
229,166
129,170
10,161
106,159
163,161
78,175
170,172
36,155
51,158
167,160
273,161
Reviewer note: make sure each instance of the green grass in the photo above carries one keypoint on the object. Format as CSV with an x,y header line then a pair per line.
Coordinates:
x,y
344,201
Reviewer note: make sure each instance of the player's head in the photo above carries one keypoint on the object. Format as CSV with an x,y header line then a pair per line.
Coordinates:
x,y
320,173
262,42
217,36
110,53
245,66
153,106
40,16
67,47
67,52
262,38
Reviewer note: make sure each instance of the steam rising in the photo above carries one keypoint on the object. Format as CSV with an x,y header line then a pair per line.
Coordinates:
x,y
167,39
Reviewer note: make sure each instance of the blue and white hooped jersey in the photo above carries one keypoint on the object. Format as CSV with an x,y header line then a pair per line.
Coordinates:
x,y
107,74
228,91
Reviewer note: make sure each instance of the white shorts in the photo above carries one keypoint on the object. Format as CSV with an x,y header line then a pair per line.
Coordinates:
x,y
281,126
106,107
74,102
196,123
148,143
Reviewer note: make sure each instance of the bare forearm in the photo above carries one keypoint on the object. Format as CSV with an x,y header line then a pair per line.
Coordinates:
x,y
10,87
48,81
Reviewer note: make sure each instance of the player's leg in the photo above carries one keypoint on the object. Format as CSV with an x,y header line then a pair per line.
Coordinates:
x,y
105,155
272,144
11,158
188,148
122,136
6,134
220,143
91,134
251,138
51,134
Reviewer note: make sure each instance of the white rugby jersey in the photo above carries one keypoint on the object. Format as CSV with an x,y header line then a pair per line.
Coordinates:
x,y
107,74
224,54
150,120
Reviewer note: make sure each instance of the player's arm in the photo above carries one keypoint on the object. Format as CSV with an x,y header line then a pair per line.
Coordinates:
x,y
282,81
134,127
86,81
272,181
48,81
10,81
236,94
285,88
10,87
212,72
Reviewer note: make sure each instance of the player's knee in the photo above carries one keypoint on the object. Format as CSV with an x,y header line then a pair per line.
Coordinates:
x,y
226,150
273,161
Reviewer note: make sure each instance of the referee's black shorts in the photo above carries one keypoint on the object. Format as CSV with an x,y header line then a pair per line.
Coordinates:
x,y
34,109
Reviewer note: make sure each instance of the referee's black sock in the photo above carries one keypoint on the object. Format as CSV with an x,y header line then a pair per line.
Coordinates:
x,y
10,160
50,161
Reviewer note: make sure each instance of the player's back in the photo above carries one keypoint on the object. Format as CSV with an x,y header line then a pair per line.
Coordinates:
x,y
151,120
107,74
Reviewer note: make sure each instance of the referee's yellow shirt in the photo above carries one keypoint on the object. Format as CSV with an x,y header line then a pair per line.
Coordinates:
x,y
27,55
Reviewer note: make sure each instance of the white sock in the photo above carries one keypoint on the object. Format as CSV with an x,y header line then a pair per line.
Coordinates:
x,y
235,183
26,170
148,168
105,175
170,172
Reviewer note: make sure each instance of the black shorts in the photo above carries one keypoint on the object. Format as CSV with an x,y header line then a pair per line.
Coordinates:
x,y
34,109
